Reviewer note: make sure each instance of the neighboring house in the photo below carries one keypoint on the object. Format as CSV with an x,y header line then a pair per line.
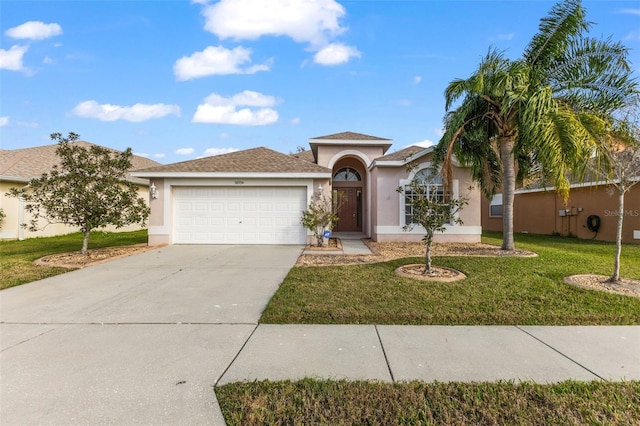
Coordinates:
x,y
540,211
19,166
257,196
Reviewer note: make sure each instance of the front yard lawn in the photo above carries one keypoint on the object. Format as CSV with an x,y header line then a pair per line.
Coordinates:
x,y
365,403
498,291
16,257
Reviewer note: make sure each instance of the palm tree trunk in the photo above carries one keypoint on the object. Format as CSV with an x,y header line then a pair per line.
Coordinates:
x,y
508,189
616,264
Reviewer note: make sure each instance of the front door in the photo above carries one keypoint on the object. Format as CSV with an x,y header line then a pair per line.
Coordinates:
x,y
349,210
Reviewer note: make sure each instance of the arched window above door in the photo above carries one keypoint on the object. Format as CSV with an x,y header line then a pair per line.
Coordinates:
x,y
346,174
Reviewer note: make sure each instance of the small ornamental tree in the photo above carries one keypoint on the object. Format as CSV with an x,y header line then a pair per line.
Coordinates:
x,y
431,208
87,189
624,159
320,215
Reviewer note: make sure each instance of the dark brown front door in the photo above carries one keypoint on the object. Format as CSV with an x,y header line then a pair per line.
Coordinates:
x,y
350,210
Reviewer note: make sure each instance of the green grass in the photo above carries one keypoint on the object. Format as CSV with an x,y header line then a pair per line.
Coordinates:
x,y
16,257
314,402
498,291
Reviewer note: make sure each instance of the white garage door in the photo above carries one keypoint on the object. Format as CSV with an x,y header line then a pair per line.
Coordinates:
x,y
239,215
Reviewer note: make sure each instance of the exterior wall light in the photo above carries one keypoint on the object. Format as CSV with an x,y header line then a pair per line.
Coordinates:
x,y
153,191
320,188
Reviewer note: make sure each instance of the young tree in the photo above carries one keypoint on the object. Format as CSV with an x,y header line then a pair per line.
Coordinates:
x,y
545,111
431,208
320,215
87,189
624,158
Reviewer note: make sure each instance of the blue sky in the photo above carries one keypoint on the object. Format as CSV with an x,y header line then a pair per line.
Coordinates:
x,y
177,80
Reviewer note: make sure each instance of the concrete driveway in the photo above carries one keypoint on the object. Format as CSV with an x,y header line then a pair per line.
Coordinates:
x,y
139,340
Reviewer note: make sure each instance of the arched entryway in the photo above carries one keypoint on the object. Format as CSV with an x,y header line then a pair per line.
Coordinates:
x,y
349,183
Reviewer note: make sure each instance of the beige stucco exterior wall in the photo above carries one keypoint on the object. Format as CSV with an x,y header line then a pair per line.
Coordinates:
x,y
328,155
16,214
538,213
390,205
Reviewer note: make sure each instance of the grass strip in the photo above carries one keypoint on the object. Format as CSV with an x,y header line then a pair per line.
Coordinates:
x,y
498,291
16,257
312,401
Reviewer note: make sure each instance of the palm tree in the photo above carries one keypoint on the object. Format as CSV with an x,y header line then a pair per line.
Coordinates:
x,y
546,112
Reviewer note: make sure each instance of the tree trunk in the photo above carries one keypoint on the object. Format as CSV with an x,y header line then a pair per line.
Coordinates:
x,y
427,256
85,242
616,264
508,189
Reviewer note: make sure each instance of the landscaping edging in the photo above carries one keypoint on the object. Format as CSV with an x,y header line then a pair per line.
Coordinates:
x,y
439,273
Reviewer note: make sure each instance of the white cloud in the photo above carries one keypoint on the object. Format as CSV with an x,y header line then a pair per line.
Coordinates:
x,y
31,124
404,102
12,59
4,121
314,22
48,60
500,37
34,30
246,97
438,131
231,115
633,35
136,113
295,121
220,110
184,151
142,154
218,151
335,54
159,155
216,60
417,79
425,143
224,135
629,11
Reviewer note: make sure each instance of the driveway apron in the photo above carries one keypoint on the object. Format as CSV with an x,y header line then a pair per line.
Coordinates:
x,y
139,340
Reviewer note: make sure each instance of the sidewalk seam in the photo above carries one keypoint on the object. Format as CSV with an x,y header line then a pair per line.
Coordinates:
x,y
393,379
236,356
558,352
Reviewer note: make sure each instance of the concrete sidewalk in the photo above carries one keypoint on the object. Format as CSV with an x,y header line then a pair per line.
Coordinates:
x,y
144,340
352,245
438,353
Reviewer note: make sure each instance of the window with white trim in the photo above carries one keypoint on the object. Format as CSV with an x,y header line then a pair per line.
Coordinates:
x,y
495,206
432,186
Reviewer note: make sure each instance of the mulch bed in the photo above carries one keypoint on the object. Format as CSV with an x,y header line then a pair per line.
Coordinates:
x,y
75,259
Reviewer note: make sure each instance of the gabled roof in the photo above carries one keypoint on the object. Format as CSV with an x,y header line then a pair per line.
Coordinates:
x,y
251,162
402,157
22,165
349,138
403,154
352,136
305,155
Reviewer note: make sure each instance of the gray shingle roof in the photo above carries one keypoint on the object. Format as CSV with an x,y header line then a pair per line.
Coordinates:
x,y
402,155
305,155
27,163
352,136
255,160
